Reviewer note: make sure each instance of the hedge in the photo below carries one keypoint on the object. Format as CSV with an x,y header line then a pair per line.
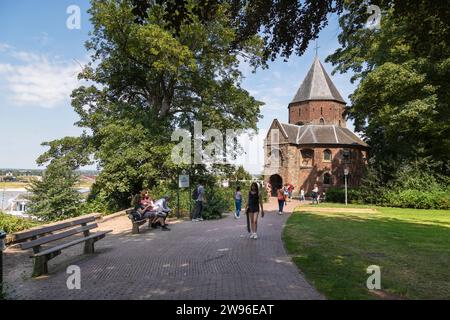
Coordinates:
x,y
11,224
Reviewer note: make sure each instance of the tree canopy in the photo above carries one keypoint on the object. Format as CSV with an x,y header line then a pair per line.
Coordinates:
x,y
148,78
402,102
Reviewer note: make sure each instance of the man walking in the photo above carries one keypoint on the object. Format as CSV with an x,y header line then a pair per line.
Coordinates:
x,y
199,197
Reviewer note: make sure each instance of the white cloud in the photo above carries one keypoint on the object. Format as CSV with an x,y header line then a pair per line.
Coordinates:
x,y
35,79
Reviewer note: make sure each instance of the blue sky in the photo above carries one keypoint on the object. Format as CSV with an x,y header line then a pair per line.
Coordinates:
x,y
40,58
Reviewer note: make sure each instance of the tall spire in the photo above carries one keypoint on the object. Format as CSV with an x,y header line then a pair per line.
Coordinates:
x,y
317,85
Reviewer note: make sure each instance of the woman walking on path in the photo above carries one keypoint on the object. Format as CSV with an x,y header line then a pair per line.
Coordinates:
x,y
238,202
281,200
254,204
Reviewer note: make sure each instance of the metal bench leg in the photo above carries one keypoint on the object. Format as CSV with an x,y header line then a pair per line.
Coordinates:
x,y
135,228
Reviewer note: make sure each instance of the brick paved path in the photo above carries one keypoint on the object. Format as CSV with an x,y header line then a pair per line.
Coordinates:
x,y
203,260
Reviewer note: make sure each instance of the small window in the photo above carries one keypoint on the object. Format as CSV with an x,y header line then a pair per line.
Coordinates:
x,y
321,121
327,178
321,111
327,155
299,111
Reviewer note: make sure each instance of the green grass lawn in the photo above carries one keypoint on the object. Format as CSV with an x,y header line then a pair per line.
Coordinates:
x,y
412,248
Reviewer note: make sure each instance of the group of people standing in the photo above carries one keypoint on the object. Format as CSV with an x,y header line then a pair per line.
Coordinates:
x,y
158,210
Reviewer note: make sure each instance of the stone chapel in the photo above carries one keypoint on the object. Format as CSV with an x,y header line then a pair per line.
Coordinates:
x,y
315,147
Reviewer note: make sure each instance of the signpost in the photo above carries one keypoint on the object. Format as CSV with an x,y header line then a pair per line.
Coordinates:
x,y
345,180
183,182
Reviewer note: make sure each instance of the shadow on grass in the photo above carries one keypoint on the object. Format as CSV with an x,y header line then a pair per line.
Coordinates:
x,y
334,251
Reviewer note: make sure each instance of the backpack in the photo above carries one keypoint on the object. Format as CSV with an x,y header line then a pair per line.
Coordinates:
x,y
135,215
195,194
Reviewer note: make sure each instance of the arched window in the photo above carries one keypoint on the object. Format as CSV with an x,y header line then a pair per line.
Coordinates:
x,y
322,121
327,178
327,155
307,157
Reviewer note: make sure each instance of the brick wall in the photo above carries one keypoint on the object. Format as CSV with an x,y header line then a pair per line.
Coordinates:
x,y
311,112
295,171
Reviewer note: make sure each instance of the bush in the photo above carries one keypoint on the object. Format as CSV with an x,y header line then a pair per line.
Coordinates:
x,y
411,198
334,194
412,186
11,224
217,203
95,203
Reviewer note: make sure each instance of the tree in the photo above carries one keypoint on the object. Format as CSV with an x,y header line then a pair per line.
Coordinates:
x,y
55,197
149,78
241,174
402,103
286,25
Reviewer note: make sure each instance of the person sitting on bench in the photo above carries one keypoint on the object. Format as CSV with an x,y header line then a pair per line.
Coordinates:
x,y
162,210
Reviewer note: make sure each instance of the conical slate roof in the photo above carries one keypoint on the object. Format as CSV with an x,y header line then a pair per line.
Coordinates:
x,y
317,85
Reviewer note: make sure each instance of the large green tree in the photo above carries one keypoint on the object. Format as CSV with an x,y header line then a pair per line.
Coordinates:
x,y
147,79
402,102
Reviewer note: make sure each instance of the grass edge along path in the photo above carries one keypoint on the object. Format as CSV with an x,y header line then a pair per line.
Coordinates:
x,y
411,246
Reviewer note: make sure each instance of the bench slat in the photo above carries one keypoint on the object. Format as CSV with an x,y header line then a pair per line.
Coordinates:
x,y
57,236
23,235
69,244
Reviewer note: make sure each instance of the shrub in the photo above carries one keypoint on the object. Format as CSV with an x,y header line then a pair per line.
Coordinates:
x,y
11,224
412,186
334,194
217,203
95,203
411,198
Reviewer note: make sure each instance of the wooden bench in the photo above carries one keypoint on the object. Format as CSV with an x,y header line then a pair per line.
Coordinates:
x,y
136,223
37,237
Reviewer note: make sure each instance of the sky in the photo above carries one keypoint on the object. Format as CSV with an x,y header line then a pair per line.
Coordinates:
x,y
40,58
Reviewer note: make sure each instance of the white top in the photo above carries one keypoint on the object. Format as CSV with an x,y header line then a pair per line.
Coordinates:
x,y
201,192
302,192
238,195
316,189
